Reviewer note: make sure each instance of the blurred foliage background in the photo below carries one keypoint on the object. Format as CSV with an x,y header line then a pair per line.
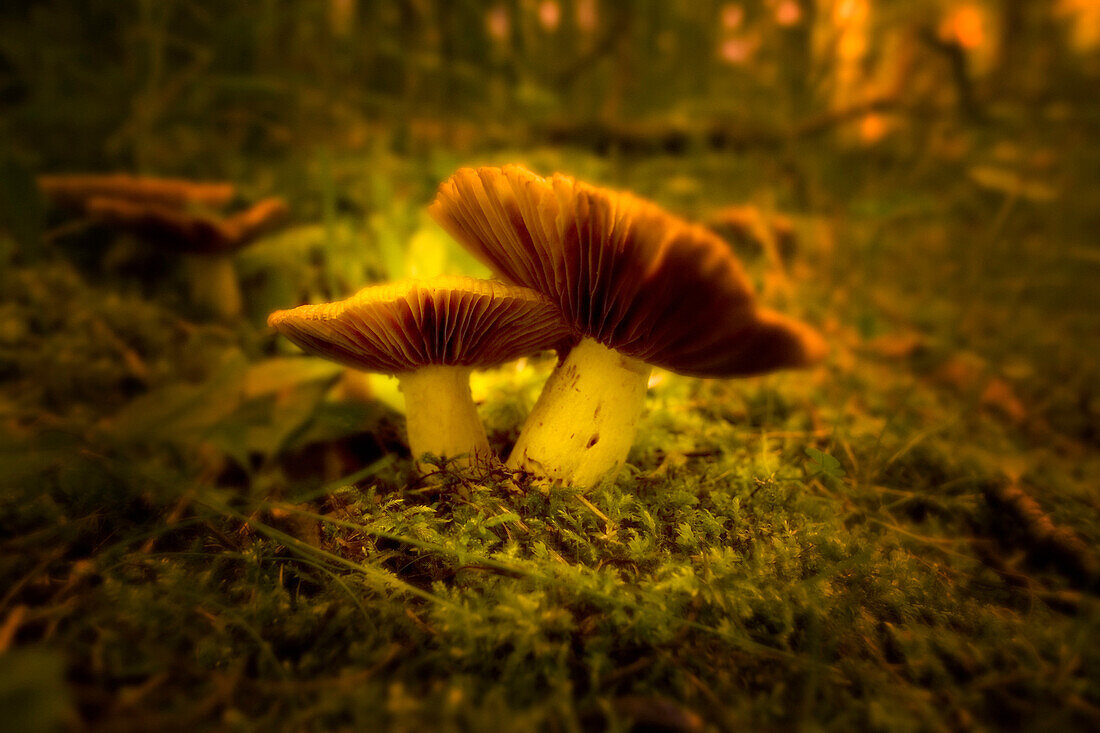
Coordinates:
x,y
198,526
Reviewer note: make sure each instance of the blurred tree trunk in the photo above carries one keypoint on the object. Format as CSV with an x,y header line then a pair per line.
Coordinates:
x,y
621,23
1013,29
797,51
408,33
447,32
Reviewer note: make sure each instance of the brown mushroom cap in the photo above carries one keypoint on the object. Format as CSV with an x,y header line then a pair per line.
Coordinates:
x,y
184,231
75,191
403,326
623,271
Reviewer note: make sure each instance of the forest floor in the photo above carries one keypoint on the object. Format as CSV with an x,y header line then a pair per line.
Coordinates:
x,y
199,529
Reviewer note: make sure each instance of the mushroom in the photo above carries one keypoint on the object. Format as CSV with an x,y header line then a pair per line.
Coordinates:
x,y
176,215
73,191
640,287
206,242
430,334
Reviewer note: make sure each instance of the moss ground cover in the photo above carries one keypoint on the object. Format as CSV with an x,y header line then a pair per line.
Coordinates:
x,y
197,530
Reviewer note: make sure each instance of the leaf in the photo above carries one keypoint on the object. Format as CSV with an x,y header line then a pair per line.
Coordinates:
x,y
289,414
283,373
292,246
509,517
824,464
335,420
183,412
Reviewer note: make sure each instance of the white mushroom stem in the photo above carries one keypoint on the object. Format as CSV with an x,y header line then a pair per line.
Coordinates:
x,y
441,416
583,424
214,284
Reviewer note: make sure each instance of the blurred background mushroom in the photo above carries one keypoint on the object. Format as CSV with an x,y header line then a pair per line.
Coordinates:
x,y
74,191
179,217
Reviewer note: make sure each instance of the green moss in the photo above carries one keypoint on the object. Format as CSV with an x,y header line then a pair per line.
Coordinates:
x,y
222,543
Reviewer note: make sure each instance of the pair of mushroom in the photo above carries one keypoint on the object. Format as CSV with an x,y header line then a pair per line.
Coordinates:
x,y
615,280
